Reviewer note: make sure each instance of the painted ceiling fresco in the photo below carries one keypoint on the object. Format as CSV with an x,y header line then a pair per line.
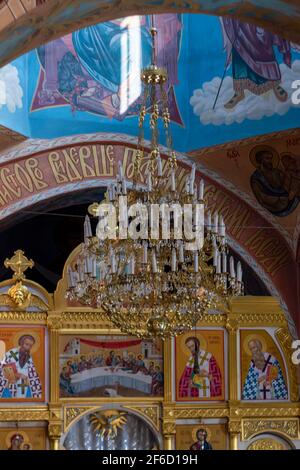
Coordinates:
x,y
227,80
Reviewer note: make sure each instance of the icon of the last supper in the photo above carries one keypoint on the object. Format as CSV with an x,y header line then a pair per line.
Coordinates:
x,y
110,366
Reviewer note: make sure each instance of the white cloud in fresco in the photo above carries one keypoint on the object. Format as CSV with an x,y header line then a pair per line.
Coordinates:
x,y
11,92
252,107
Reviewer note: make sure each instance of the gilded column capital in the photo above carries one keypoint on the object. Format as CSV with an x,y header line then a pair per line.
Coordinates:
x,y
232,324
55,430
234,426
54,321
169,428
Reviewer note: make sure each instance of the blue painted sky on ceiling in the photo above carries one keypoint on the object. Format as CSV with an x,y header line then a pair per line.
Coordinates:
x,y
227,80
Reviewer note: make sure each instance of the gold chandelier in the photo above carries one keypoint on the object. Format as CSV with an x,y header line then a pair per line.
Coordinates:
x,y
154,284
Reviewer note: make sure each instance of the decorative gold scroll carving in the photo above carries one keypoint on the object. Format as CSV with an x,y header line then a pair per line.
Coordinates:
x,y
169,428
288,427
24,414
234,426
55,430
195,413
23,317
150,412
266,444
72,413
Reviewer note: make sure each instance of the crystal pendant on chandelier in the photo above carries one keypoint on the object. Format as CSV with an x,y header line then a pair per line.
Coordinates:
x,y
155,285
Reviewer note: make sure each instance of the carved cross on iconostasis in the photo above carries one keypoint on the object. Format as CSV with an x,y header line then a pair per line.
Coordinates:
x,y
18,264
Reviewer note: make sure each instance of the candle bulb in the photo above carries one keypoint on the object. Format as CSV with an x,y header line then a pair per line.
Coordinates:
x,y
88,226
100,272
149,182
192,178
224,262
110,196
196,262
239,272
81,273
120,171
181,253
113,266
216,255
124,187
232,270
145,252
159,165
154,263
94,268
113,192
187,185
85,236
85,265
132,264
219,264
208,220
173,182
70,278
216,220
173,264
90,264
201,190
222,227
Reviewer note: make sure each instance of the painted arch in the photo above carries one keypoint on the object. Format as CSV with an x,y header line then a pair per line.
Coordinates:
x,y
25,24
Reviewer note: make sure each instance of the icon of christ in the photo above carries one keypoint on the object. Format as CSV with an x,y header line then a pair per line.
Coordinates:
x,y
18,375
201,376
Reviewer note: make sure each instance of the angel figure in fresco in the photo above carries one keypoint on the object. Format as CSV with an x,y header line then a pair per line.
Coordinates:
x,y
202,376
255,68
18,374
265,380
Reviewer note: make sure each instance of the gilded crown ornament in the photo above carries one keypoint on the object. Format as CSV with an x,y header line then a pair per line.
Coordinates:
x,y
142,267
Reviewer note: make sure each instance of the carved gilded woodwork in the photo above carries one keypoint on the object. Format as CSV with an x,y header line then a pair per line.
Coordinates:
x,y
246,419
169,428
234,426
72,413
24,414
286,427
152,413
149,412
266,444
199,412
55,430
34,318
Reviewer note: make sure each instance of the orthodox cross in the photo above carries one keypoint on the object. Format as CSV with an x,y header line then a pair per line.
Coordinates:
x,y
204,387
14,355
203,358
268,362
19,264
23,386
265,390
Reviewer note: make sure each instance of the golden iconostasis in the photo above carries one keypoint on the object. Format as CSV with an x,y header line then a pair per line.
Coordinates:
x,y
65,369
